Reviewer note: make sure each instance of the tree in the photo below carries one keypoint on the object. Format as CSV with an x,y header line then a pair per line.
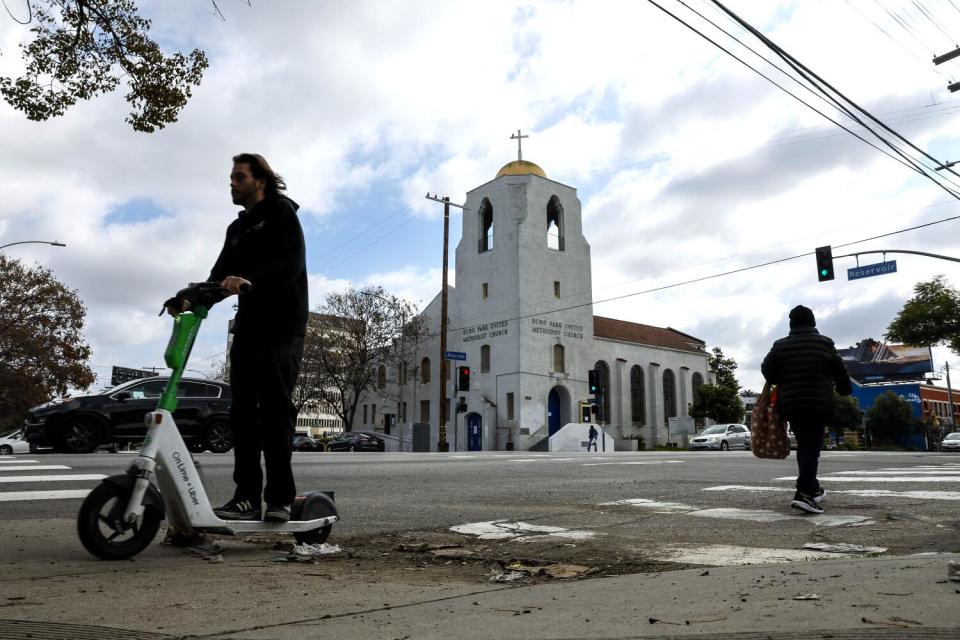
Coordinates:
x,y
723,369
42,350
930,318
349,338
847,415
889,417
719,403
83,48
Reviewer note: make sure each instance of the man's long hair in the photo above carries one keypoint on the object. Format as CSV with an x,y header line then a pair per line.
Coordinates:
x,y
261,170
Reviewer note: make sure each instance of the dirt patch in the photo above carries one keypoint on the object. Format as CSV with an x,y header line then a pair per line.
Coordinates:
x,y
428,556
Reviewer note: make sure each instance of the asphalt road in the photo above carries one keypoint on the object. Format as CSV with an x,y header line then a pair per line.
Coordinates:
x,y
670,503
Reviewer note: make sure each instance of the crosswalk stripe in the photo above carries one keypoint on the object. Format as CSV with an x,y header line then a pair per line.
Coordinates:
x,y
866,493
37,467
598,464
883,478
66,494
12,460
75,477
897,472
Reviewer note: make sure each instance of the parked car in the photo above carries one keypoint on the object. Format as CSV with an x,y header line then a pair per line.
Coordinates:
x,y
951,442
722,437
84,423
13,442
306,443
356,441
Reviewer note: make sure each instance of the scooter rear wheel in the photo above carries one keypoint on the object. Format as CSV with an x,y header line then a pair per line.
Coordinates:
x,y
102,529
319,506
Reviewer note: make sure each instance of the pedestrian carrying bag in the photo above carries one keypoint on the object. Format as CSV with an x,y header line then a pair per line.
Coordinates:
x,y
768,437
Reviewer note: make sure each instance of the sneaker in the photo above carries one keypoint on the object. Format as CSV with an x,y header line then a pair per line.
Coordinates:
x,y
238,510
803,502
820,496
277,513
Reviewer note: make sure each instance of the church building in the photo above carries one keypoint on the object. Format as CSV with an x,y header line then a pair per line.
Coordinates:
x,y
522,314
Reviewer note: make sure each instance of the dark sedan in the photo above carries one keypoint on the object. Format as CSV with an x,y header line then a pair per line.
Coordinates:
x,y
84,423
306,443
356,441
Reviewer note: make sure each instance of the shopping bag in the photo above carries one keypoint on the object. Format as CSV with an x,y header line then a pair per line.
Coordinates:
x,y
768,436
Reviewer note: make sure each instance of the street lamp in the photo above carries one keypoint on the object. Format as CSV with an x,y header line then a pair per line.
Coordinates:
x,y
54,243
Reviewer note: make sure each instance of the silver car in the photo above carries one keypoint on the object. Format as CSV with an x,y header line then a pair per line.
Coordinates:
x,y
951,442
721,437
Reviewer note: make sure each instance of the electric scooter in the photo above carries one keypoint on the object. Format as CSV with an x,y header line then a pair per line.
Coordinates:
x,y
122,515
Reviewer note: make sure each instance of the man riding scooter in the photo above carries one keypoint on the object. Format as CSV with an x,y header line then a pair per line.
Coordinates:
x,y
264,251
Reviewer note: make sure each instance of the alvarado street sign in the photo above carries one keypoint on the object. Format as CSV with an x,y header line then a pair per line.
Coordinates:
x,y
867,270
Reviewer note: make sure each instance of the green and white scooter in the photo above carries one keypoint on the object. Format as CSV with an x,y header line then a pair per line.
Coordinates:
x,y
122,515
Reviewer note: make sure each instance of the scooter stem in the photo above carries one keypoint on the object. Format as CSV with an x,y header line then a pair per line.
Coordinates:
x,y
185,328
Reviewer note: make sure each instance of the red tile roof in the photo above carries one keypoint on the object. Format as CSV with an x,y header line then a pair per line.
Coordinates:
x,y
645,334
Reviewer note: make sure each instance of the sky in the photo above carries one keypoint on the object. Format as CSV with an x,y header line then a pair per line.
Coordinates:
x,y
687,163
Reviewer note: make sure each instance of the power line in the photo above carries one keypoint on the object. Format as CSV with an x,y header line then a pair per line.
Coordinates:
x,y
841,101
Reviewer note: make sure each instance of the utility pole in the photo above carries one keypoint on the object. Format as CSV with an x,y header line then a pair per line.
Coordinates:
x,y
442,444
953,422
950,55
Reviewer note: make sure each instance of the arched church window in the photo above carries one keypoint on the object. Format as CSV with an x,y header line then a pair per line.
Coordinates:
x,y
669,395
485,359
558,359
425,371
696,381
604,370
485,217
403,373
381,376
638,409
555,226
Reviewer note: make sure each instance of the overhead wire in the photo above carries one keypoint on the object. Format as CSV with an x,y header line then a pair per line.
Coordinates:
x,y
906,162
847,106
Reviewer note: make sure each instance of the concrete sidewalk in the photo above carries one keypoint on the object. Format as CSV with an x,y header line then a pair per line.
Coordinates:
x,y
56,590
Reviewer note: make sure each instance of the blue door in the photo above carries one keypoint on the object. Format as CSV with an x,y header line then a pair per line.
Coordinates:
x,y
474,432
553,411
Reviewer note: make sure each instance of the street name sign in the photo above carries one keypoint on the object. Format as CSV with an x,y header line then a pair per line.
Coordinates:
x,y
868,270
455,355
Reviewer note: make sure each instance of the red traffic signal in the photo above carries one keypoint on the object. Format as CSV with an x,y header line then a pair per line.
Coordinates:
x,y
463,378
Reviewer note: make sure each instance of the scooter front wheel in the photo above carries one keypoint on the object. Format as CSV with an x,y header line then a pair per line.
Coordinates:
x,y
102,529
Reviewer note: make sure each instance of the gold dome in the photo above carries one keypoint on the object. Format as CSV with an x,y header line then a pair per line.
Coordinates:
x,y
520,168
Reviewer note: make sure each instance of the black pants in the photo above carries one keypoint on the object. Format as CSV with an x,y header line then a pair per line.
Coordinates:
x,y
809,431
263,418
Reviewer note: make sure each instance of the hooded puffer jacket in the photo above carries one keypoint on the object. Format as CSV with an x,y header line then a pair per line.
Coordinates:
x,y
805,366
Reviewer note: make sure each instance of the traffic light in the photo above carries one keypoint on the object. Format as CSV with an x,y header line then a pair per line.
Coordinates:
x,y
463,378
593,377
824,263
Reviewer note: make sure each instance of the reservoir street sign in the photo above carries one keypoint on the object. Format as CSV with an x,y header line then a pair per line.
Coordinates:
x,y
868,270
455,355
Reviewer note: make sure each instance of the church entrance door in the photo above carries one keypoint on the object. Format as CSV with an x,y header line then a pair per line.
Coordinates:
x,y
474,432
553,411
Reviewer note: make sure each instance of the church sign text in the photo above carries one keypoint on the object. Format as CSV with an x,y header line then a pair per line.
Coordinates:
x,y
557,328
484,331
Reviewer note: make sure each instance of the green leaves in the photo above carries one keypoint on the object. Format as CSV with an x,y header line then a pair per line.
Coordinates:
x,y
83,48
930,318
42,350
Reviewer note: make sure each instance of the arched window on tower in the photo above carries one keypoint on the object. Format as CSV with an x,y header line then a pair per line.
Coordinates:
x,y
425,371
638,409
381,377
669,396
604,370
485,217
485,359
555,227
559,366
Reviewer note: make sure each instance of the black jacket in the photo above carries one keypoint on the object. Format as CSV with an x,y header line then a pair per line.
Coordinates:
x,y
265,245
805,366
